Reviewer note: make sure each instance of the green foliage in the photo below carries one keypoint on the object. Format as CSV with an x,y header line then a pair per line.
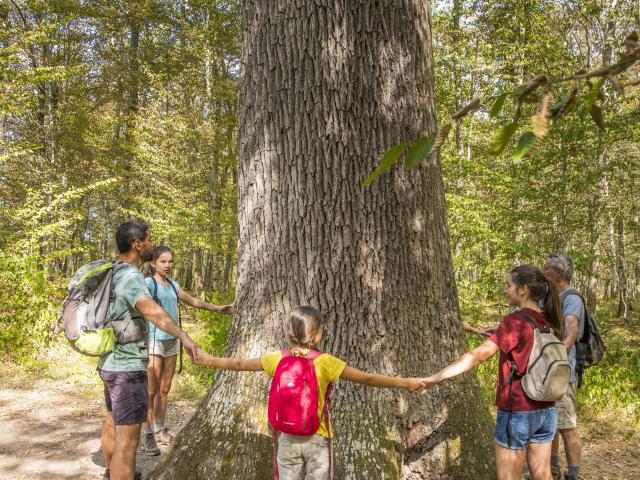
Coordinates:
x,y
29,305
560,194
525,144
591,96
389,158
96,129
419,151
497,105
210,331
502,138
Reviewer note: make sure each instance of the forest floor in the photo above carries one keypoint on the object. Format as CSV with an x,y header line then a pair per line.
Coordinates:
x,y
51,421
51,425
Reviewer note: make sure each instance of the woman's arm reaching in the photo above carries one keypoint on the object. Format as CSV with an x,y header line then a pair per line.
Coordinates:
x,y
463,364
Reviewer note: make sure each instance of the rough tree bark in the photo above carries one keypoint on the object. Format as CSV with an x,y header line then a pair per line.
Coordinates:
x,y
327,87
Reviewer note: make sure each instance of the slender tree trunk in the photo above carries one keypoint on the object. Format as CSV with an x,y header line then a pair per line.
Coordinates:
x,y
594,223
455,26
623,302
228,265
326,89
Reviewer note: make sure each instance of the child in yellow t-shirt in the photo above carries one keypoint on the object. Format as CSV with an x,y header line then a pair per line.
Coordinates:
x,y
303,328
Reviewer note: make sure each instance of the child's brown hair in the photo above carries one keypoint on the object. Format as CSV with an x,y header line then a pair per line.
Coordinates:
x,y
302,325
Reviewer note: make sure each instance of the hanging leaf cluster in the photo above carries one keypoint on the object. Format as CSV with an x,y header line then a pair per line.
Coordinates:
x,y
586,92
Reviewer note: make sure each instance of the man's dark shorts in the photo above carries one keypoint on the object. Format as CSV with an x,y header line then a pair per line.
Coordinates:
x,y
126,396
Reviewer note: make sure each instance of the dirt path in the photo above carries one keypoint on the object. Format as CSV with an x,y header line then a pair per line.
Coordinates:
x,y
50,429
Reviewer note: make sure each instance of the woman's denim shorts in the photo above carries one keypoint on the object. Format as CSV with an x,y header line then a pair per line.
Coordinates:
x,y
516,430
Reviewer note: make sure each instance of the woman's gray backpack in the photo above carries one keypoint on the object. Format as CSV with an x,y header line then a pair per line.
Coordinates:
x,y
548,370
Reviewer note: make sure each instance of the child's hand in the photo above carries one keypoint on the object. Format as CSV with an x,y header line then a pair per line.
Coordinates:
x,y
226,309
204,358
429,383
415,384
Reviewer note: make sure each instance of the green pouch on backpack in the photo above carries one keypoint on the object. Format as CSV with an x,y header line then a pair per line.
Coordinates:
x,y
96,343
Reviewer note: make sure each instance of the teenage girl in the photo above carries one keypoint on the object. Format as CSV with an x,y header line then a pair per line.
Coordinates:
x,y
163,347
524,428
303,328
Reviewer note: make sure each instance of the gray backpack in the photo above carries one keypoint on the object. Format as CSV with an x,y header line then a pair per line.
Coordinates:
x,y
86,312
548,370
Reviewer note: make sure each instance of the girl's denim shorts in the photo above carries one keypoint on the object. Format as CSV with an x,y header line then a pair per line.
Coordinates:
x,y
516,430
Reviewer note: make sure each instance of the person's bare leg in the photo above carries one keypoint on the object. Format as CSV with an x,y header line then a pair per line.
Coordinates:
x,y
168,371
555,445
572,447
555,454
154,374
539,461
509,462
108,438
123,461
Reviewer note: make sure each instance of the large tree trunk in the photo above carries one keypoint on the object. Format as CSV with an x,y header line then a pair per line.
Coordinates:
x,y
326,89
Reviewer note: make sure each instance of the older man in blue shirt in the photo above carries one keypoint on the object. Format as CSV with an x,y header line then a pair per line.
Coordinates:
x,y
559,268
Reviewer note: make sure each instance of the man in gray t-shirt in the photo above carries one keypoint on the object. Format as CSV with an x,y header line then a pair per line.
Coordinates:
x,y
124,370
559,268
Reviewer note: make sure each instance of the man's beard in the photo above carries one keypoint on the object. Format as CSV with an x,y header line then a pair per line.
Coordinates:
x,y
147,256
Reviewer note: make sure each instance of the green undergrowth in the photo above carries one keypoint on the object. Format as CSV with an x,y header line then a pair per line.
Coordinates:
x,y
609,400
57,362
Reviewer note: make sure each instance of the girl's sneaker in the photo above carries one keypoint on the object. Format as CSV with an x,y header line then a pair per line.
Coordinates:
x,y
163,436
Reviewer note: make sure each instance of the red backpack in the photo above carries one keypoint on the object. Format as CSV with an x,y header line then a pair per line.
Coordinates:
x,y
293,399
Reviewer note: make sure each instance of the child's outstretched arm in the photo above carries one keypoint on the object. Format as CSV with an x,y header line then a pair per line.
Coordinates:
x,y
202,305
375,380
463,364
244,364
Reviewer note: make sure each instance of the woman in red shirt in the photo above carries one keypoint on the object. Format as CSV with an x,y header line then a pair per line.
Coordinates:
x,y
524,427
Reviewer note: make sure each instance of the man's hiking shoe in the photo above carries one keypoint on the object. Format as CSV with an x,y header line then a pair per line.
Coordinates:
x,y
149,445
570,477
163,436
107,475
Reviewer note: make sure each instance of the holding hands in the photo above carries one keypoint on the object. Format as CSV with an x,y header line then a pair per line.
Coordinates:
x,y
192,348
416,384
422,385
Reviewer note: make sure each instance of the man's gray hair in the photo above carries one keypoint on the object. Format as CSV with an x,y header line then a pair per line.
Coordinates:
x,y
562,263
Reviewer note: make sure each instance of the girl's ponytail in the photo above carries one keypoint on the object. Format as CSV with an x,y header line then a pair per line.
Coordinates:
x,y
544,291
151,270
553,308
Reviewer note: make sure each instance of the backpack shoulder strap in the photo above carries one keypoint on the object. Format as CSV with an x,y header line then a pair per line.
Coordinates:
x,y
116,266
155,290
571,291
173,287
313,354
532,322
